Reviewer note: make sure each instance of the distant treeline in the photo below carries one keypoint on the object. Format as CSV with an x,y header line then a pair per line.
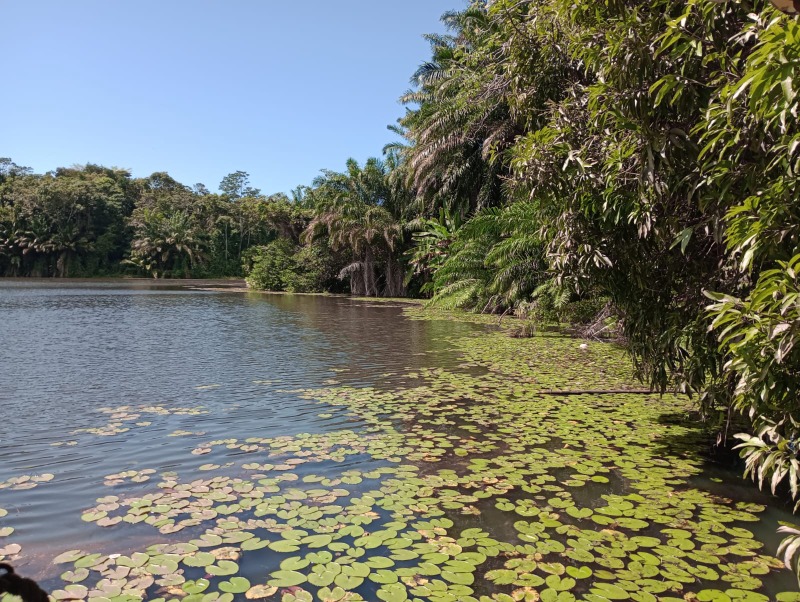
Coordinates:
x,y
91,220
339,235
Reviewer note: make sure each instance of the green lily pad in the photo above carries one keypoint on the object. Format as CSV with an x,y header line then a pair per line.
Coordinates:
x,y
195,586
163,566
286,579
610,591
713,595
583,572
223,568
284,546
75,576
199,559
383,576
235,585
89,561
69,556
394,592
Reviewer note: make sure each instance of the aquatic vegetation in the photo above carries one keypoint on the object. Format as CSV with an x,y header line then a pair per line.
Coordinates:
x,y
121,419
26,481
8,551
498,480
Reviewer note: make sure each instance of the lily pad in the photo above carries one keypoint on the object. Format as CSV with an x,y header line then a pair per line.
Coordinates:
x,y
223,568
258,592
286,579
235,585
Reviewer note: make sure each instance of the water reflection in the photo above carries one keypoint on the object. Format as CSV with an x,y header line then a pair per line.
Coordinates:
x,y
68,349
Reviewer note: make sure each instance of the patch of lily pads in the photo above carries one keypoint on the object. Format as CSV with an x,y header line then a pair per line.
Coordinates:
x,y
122,419
468,485
26,481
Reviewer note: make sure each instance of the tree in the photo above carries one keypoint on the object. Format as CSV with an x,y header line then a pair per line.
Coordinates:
x,y
172,228
354,209
495,261
68,222
166,244
9,169
460,122
237,185
657,146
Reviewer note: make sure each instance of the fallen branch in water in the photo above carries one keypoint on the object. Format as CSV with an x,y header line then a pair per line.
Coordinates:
x,y
601,392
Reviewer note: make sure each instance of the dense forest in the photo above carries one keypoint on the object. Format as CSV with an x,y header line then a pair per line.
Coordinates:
x,y
633,161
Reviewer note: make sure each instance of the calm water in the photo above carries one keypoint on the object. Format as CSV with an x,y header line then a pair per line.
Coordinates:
x,y
97,378
67,350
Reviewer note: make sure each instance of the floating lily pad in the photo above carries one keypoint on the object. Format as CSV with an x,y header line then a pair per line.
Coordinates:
x,y
236,585
223,568
258,592
195,586
286,579
395,592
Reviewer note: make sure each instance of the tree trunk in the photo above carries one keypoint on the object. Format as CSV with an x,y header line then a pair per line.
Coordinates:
x,y
241,239
370,289
394,279
357,282
62,265
388,290
400,280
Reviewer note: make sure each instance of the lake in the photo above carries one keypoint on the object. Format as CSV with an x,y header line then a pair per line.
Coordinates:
x,y
159,440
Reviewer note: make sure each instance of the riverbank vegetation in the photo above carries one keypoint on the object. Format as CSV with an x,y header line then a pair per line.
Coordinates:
x,y
636,159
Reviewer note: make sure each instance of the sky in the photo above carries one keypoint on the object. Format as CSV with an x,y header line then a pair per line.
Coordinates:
x,y
202,88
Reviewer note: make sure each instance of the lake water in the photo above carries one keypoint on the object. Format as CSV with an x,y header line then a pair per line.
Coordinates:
x,y
337,449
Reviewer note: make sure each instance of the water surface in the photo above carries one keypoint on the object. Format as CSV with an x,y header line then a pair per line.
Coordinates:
x,y
336,449
230,364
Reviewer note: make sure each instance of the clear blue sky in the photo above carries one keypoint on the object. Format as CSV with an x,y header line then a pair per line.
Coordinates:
x,y
202,88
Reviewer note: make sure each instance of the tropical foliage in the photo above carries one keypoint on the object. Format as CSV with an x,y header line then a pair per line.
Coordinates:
x,y
96,221
653,154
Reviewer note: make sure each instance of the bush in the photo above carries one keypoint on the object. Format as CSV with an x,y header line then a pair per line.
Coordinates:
x,y
270,267
280,266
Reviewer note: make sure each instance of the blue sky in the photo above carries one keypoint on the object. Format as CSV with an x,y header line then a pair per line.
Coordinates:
x,y
200,88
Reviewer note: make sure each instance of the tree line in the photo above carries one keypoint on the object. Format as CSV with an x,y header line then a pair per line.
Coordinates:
x,y
625,160
91,220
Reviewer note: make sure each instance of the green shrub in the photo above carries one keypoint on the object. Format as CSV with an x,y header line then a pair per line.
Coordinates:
x,y
270,267
281,266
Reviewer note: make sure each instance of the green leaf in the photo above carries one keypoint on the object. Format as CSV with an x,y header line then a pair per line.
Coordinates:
x,y
286,579
236,585
394,592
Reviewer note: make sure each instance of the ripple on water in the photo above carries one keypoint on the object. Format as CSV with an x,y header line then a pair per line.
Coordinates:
x,y
240,361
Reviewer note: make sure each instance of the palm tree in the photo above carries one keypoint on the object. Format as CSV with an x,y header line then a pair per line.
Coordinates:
x,y
358,212
165,242
432,239
461,122
495,261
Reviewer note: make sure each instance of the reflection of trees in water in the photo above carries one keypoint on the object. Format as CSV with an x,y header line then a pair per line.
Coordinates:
x,y
372,334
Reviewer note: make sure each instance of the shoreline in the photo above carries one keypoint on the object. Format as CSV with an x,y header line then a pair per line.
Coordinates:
x,y
228,285
156,282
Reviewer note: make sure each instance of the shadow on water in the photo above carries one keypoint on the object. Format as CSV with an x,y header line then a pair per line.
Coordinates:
x,y
720,474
